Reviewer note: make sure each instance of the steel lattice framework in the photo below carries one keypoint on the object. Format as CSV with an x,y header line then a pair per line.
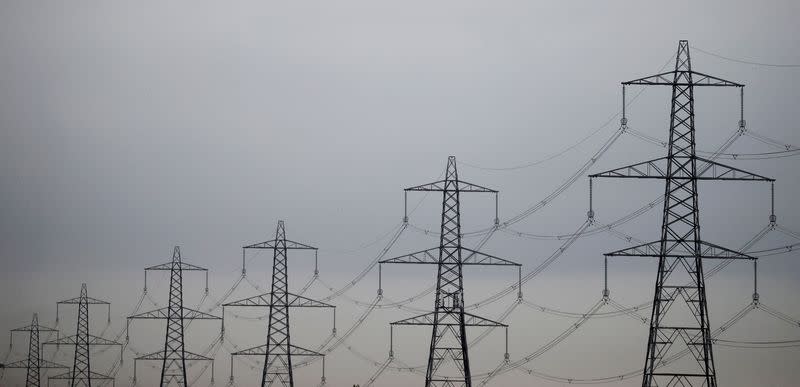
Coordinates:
x,y
448,344
174,356
278,351
82,374
34,362
680,251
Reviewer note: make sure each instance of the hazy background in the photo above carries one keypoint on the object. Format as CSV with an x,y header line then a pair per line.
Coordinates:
x,y
127,129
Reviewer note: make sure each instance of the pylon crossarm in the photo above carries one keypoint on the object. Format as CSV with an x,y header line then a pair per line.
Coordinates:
x,y
89,301
31,328
431,256
160,355
470,320
290,245
720,171
163,313
676,248
92,375
295,301
18,364
474,257
72,340
42,364
191,314
183,266
441,186
668,79
261,350
657,169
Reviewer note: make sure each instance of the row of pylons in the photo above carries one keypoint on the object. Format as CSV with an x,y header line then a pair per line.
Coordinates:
x,y
679,282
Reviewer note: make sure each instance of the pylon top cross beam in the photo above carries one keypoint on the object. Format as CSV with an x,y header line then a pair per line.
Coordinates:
x,y
683,75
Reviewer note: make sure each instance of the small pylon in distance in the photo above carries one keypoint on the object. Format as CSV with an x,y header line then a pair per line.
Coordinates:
x,y
34,362
82,374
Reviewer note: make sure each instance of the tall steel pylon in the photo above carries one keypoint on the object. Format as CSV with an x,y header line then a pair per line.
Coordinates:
x,y
279,351
82,374
34,362
680,251
174,356
448,344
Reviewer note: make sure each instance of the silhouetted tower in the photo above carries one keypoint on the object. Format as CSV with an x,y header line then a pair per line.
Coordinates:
x,y
34,363
82,374
278,351
174,356
680,251
449,338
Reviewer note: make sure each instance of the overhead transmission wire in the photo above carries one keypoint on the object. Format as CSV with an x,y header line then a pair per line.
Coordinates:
x,y
787,150
569,147
747,62
615,378
401,304
571,180
550,157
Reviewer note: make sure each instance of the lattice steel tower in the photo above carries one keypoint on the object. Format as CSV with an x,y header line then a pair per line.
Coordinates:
x,y
278,351
34,363
680,251
448,344
82,374
174,356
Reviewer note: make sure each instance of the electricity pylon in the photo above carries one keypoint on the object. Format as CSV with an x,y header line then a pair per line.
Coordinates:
x,y
278,351
82,374
174,356
680,251
34,363
449,338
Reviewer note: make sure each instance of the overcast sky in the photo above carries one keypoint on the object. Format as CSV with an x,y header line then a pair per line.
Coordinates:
x,y
126,129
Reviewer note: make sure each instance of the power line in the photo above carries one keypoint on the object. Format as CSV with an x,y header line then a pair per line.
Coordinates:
x,y
569,147
748,62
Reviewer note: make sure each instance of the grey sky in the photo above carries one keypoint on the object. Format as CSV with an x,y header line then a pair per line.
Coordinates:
x,y
126,129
